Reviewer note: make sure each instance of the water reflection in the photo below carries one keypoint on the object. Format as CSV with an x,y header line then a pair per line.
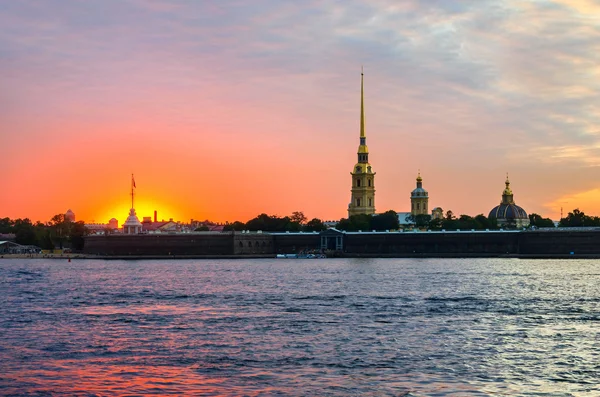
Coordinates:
x,y
328,328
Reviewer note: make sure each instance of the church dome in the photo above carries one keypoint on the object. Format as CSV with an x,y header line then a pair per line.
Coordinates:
x,y
419,191
508,211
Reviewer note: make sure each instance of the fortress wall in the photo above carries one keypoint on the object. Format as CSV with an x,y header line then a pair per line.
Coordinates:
x,y
559,242
432,243
253,243
160,244
388,244
291,243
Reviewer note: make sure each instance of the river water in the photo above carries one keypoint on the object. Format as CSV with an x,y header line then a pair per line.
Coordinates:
x,y
333,327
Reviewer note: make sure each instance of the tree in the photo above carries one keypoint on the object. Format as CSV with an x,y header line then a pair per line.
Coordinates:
x,y
314,225
537,221
436,224
202,228
76,233
485,222
6,225
386,221
298,217
355,223
578,218
237,226
422,220
573,219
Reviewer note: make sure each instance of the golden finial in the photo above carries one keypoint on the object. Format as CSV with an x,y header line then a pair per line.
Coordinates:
x,y
419,179
507,190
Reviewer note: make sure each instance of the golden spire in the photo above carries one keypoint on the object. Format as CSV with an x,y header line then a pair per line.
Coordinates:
x,y
362,106
419,179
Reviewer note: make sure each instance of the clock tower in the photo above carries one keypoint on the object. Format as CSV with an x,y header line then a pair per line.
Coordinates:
x,y
362,200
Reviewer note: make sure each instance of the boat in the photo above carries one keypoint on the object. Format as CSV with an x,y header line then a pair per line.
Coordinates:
x,y
301,256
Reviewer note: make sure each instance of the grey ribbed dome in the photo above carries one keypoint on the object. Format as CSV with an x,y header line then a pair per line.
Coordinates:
x,y
508,211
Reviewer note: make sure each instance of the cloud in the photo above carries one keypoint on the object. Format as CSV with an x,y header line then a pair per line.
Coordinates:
x,y
462,88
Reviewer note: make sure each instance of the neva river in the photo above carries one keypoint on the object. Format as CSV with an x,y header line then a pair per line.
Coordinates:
x,y
334,327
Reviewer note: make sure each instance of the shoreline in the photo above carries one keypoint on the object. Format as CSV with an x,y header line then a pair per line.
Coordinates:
x,y
272,256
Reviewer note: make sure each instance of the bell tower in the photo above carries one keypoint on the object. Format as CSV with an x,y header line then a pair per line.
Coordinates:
x,y
419,199
362,200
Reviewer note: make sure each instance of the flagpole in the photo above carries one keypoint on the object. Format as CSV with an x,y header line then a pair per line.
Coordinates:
x,y
131,190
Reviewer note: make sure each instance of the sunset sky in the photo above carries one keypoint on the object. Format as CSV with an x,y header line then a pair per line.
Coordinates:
x,y
226,109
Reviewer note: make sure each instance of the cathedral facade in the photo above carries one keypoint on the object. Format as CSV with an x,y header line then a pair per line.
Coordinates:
x,y
362,200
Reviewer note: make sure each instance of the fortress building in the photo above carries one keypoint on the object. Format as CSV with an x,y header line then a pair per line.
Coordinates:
x,y
419,198
363,177
508,214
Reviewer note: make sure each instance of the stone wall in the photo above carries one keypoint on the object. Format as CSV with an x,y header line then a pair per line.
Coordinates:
x,y
252,243
160,244
293,243
432,243
386,244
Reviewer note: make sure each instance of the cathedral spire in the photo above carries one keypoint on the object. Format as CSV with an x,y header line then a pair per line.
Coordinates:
x,y
362,107
363,150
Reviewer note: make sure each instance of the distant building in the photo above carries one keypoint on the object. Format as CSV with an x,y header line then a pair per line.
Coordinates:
x,y
101,228
132,224
405,219
437,213
419,198
70,216
160,227
508,214
362,200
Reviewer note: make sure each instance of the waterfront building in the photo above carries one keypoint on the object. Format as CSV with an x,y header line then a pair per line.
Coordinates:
x,y
508,214
419,198
362,200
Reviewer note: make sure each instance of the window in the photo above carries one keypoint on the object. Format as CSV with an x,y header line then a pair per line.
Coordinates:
x,y
358,182
370,203
369,183
358,202
418,206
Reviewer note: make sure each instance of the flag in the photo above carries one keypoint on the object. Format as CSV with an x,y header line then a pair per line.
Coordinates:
x,y
132,181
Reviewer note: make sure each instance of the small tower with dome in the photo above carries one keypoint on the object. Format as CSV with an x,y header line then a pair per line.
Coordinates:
x,y
419,199
508,214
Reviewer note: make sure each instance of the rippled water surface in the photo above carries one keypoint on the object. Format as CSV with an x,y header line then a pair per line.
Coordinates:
x,y
347,327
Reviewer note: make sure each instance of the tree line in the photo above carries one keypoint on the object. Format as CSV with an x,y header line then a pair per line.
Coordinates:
x,y
296,222
58,232
388,220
